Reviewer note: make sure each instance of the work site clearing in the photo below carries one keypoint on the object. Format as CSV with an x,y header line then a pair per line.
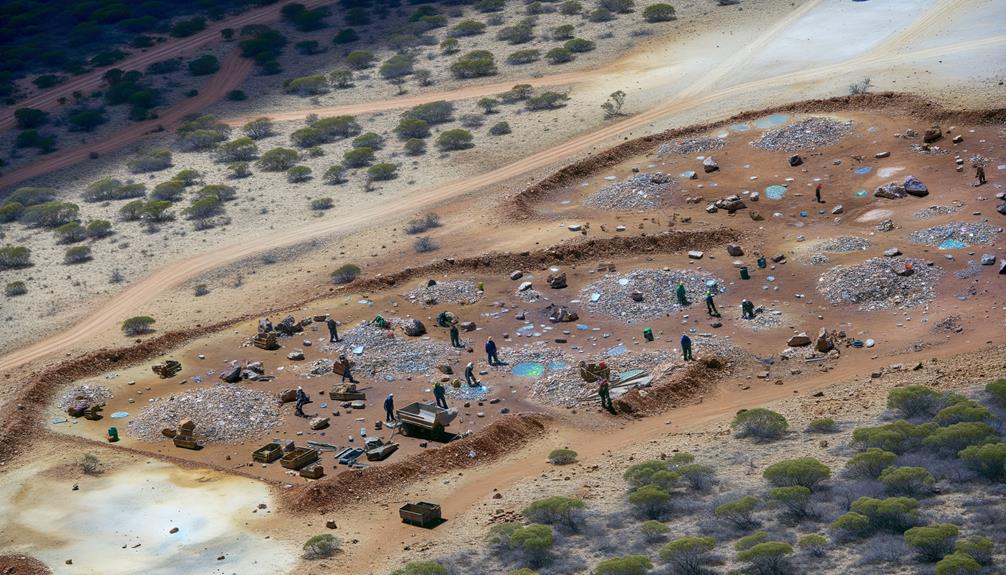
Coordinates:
x,y
768,343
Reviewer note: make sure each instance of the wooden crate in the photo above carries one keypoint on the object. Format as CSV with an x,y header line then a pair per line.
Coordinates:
x,y
299,457
268,453
266,341
421,513
314,471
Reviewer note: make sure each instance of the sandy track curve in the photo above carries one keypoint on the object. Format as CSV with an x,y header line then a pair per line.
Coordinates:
x,y
49,99
175,273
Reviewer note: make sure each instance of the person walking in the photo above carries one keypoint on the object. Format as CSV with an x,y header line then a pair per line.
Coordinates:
x,y
817,194
440,393
980,175
747,309
491,351
333,330
604,391
389,408
470,375
455,335
302,400
711,305
686,347
682,296
344,362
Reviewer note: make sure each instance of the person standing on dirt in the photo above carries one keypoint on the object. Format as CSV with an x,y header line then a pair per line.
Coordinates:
x,y
470,375
747,310
980,175
605,392
389,408
686,347
302,400
682,296
344,362
817,194
455,335
440,393
711,305
491,351
333,330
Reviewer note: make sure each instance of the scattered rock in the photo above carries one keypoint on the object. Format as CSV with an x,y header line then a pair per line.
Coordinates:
x,y
710,165
695,255
295,355
516,275
799,340
557,281
318,423
795,160
413,328
914,187
734,250
892,252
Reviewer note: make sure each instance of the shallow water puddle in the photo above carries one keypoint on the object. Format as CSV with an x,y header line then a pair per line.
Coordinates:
x,y
863,170
775,192
861,193
531,369
952,244
616,351
771,121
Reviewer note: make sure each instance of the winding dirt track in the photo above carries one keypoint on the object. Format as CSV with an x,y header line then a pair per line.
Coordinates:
x,y
172,48
133,298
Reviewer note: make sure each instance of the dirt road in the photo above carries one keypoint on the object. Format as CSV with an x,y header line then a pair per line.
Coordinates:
x,y
172,48
132,299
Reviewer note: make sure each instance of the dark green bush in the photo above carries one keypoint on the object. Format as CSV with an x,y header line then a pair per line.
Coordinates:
x,y
898,437
759,423
559,55
822,425
455,139
71,233
964,411
988,460
321,546
15,288
650,500
653,530
894,514
915,400
204,65
813,544
562,456
556,510
346,273
851,525
956,437
298,174
49,214
337,126
910,481
627,565
475,64
870,463
795,499
977,547
997,391
739,512
767,558
535,541
805,471
578,45
357,157
658,13
421,568
688,555
958,564
97,229
932,542
278,160
382,171
749,541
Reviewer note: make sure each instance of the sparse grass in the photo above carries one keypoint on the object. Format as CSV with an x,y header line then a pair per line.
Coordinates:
x,y
321,546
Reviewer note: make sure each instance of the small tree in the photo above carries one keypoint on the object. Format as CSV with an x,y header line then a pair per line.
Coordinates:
x,y
613,107
627,565
97,229
488,105
535,541
760,423
805,471
456,139
278,160
414,147
360,59
813,544
559,55
557,510
382,171
653,530
241,149
739,512
914,400
767,558
71,233
658,13
137,325
321,546
341,79
499,129
412,128
450,46
932,542
239,170
475,64
546,101
688,555
346,273
358,157
795,498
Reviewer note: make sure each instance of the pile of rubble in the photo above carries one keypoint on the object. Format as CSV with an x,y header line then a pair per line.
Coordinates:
x,y
935,211
638,192
92,394
912,186
389,351
226,412
763,320
967,232
810,133
446,292
690,146
647,294
882,283
844,244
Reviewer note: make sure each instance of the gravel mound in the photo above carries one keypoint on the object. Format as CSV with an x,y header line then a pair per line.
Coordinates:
x,y
566,388
638,192
228,412
810,133
95,394
967,232
447,292
844,244
935,211
875,284
690,146
819,260
390,354
657,287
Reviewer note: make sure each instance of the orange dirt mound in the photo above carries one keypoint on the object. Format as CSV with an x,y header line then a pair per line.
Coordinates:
x,y
22,565
685,386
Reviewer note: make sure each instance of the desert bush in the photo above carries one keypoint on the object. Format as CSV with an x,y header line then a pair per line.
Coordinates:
x,y
749,541
546,101
500,129
489,5
556,510
397,66
149,161
237,96
239,170
795,499
851,525
455,139
382,171
653,530
241,149
421,568
309,48
977,547
997,391
258,128
414,147
805,471
360,59
49,214
321,546
218,191
472,121
204,65
15,288
898,437
412,128
894,514
28,118
298,174
466,28
650,500
910,481
90,464
368,140
767,558
450,46
534,541
345,36
570,7
199,290
620,6
579,45
420,225
563,32
627,565
346,273
132,211
201,133
914,400
519,33
698,477
822,425
956,437
31,196
518,93
335,174
658,13
188,177
337,126
307,137
559,55
964,411
488,104
988,460
932,542
600,14
642,474
813,544
277,160
77,255
870,463
958,564
474,64
341,79
71,233
688,555
322,204
523,56
357,157
759,423
10,211
304,86
171,191
562,456
204,208
739,512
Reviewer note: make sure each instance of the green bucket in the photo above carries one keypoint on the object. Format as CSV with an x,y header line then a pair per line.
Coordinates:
x,y
648,334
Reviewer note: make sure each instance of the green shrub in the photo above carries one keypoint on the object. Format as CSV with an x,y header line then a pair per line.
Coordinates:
x,y
851,525
767,558
749,541
278,160
201,133
110,189
137,325
30,196
977,547
600,14
813,544
571,7
49,214
822,425
805,471
467,28
346,273
911,481
915,400
308,137
524,571
28,118
870,463
958,564
898,437
10,211
578,45
397,66
304,86
450,46
360,59
70,233
698,477
335,174
563,32
456,139
641,474
650,500
893,514
345,36
988,460
382,171
546,101
658,13
523,56
956,437
322,204
337,126
258,128
759,423
627,565
474,64
556,510
739,512
964,411
321,546
932,541
368,140
414,147
653,530
412,128
239,170
795,498
204,65
188,177
520,33
241,149
997,391
499,129
15,288
357,157
559,55
562,456
535,541
421,568
688,555
172,191
298,174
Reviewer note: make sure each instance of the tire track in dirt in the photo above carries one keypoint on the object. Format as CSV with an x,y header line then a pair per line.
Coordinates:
x,y
175,273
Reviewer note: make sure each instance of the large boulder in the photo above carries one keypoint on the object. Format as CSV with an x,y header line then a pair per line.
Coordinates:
x,y
730,203
933,134
891,191
915,187
318,423
414,328
231,374
710,165
560,313
799,340
557,281
1002,209
823,342
795,160
735,250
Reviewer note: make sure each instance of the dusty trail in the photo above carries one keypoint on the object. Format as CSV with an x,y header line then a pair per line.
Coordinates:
x,y
49,99
173,274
